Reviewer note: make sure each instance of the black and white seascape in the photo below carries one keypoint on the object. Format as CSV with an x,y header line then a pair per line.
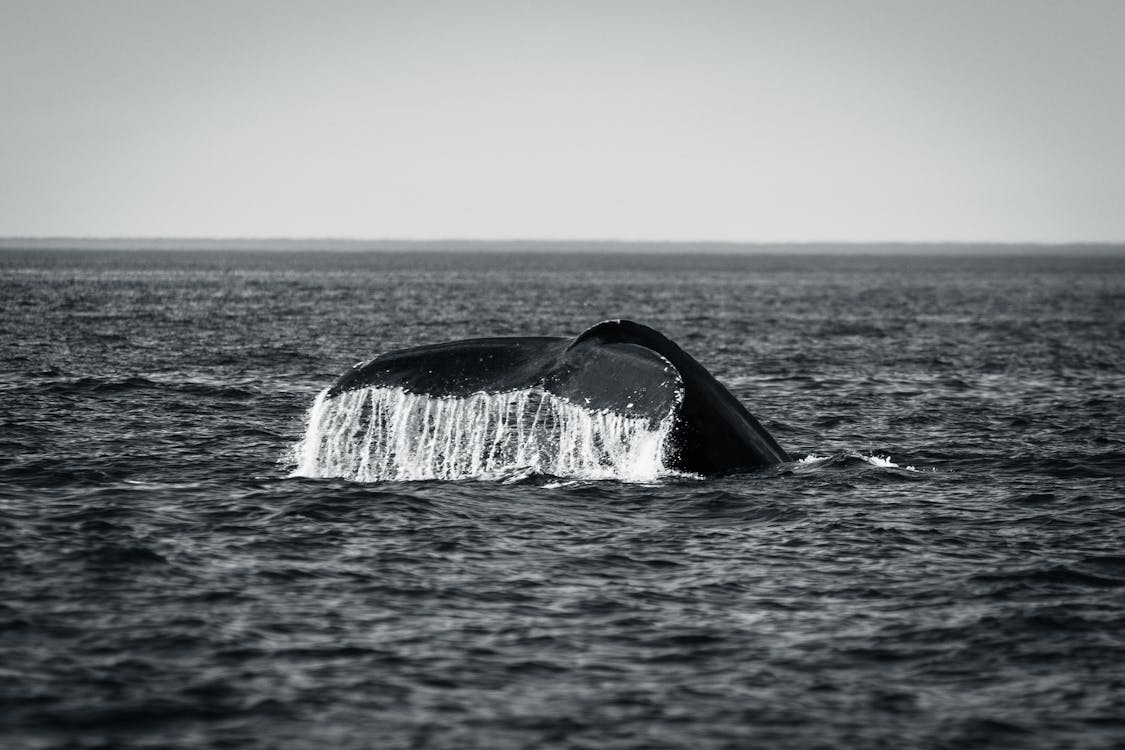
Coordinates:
x,y
592,374
940,564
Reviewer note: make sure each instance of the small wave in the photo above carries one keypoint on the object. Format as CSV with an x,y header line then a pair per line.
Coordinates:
x,y
115,555
100,385
1084,465
814,462
1082,576
199,388
92,384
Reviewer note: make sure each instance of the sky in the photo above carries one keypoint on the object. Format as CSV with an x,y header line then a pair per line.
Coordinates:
x,y
859,121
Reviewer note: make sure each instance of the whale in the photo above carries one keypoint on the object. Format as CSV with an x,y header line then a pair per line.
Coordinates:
x,y
617,366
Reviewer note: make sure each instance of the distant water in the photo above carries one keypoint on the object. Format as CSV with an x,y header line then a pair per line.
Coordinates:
x,y
945,566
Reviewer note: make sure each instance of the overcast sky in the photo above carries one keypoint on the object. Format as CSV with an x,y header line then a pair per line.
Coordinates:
x,y
747,121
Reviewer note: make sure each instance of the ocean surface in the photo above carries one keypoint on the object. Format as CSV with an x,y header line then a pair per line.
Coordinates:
x,y
943,567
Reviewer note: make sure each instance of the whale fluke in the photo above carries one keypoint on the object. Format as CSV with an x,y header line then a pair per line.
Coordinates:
x,y
617,367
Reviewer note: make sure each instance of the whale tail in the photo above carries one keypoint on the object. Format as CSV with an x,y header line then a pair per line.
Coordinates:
x,y
618,396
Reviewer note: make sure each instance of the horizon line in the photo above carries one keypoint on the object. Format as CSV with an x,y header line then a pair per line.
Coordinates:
x,y
547,241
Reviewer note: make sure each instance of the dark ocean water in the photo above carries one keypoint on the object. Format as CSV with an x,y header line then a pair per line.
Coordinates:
x,y
164,584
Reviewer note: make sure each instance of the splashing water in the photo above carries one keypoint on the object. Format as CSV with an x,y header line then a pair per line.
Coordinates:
x,y
377,433
813,460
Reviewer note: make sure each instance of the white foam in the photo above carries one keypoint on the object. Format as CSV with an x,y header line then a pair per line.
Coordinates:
x,y
372,434
813,460
883,462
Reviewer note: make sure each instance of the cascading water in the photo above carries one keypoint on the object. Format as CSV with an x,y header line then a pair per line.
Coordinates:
x,y
378,433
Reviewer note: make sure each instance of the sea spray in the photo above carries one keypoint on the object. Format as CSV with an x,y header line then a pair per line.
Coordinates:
x,y
378,433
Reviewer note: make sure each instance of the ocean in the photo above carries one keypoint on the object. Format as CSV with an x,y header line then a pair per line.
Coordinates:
x,y
941,566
